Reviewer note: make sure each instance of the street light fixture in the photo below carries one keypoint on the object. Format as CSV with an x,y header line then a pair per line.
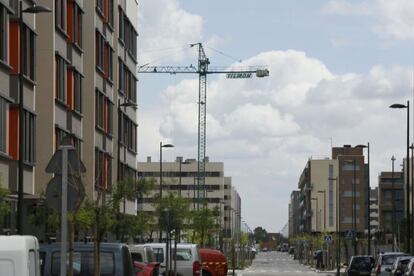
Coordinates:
x,y
407,184
161,147
368,198
35,9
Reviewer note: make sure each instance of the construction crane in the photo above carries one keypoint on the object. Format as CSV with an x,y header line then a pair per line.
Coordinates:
x,y
203,70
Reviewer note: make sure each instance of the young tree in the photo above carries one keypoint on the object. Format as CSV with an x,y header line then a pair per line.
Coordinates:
x,y
203,223
4,204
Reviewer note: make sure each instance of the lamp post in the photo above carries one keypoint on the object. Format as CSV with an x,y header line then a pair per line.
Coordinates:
x,y
316,216
354,215
393,205
35,9
407,184
161,147
324,208
368,198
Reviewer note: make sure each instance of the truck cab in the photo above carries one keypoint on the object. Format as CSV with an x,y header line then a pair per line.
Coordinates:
x,y
19,256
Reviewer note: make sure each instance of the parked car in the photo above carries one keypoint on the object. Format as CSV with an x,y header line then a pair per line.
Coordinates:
x,y
143,269
409,271
19,256
399,266
188,258
360,265
386,260
115,259
214,262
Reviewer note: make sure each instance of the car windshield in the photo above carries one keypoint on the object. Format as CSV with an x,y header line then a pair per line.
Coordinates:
x,y
389,259
361,263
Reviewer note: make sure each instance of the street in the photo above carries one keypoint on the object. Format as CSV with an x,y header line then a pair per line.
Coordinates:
x,y
276,263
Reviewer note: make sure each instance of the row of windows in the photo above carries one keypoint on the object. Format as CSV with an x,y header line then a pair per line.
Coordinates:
x,y
105,9
103,112
177,174
126,172
127,82
127,34
3,125
4,23
128,132
104,56
192,187
68,85
103,170
194,200
68,18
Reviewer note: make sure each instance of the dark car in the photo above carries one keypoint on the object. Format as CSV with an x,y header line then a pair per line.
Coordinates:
x,y
399,266
360,265
115,259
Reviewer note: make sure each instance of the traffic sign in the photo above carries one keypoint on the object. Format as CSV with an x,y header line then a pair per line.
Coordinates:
x,y
328,238
76,193
350,234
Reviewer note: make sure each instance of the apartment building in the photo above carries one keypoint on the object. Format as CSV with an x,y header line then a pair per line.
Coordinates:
x,y
180,177
89,91
18,91
294,213
374,210
317,198
391,201
333,188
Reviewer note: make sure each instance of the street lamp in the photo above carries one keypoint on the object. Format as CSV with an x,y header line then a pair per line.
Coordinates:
x,y
407,184
368,198
393,205
316,216
353,161
161,147
35,9
324,208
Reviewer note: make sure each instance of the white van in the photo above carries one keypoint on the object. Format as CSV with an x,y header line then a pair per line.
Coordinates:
x,y
19,256
188,258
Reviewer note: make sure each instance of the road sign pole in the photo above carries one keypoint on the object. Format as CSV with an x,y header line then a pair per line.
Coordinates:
x,y
64,221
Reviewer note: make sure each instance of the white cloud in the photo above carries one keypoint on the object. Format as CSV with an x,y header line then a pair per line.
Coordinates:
x,y
165,31
394,18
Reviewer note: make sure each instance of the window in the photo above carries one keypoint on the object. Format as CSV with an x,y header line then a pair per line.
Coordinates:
x,y
110,13
127,34
60,79
77,92
60,14
60,136
76,36
159,255
121,76
108,61
3,125
4,19
127,172
28,53
103,113
100,45
130,85
121,26
103,170
77,143
29,137
128,132
100,5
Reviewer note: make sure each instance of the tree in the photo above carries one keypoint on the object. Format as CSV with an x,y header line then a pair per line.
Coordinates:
x,y
203,223
260,235
4,204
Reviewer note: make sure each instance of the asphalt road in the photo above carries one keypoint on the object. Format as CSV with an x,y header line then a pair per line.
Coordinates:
x,y
277,263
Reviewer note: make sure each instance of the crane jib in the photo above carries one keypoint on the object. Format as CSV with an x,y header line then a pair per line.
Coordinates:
x,y
239,75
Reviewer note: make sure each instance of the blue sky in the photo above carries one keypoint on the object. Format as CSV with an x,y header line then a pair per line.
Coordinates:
x,y
335,66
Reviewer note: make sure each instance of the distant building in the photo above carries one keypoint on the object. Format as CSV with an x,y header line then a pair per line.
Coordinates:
x,y
294,218
391,203
374,210
180,177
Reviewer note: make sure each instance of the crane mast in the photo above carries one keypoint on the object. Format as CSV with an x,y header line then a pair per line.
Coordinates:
x,y
203,70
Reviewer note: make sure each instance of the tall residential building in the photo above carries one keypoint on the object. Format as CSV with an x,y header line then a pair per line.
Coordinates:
x,y
88,89
391,200
180,177
18,63
334,188
294,214
374,210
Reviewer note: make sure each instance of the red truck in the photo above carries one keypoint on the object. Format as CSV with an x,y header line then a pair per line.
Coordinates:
x,y
214,262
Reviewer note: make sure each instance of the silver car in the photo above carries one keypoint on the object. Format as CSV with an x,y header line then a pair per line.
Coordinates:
x,y
188,258
386,261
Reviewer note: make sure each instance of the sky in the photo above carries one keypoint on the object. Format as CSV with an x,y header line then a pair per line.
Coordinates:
x,y
335,67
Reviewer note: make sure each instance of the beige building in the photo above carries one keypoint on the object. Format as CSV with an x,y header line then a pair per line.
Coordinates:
x,y
180,177
88,84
